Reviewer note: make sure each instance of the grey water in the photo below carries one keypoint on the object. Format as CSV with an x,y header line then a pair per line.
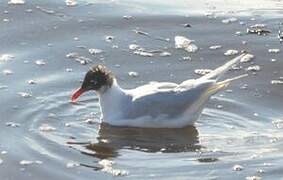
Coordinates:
x,y
44,55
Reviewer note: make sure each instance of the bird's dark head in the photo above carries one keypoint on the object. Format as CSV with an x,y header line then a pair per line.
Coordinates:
x,y
98,78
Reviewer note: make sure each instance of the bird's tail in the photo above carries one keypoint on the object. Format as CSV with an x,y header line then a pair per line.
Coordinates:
x,y
216,74
223,84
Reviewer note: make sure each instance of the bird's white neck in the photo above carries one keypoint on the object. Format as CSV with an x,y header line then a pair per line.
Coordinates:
x,y
110,100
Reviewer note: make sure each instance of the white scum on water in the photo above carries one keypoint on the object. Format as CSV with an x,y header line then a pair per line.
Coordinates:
x,y
40,62
94,51
31,81
214,47
134,46
276,82
6,57
188,45
28,162
274,50
24,94
72,164
12,124
231,52
133,74
46,128
71,2
253,68
7,72
107,166
143,53
229,20
16,2
253,178
247,58
165,53
238,167
202,71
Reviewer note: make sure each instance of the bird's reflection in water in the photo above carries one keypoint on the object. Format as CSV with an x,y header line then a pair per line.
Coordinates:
x,y
111,139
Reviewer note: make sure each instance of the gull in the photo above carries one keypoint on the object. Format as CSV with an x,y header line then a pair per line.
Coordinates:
x,y
156,104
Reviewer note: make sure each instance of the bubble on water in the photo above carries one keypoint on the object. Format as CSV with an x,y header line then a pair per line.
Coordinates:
x,y
219,106
89,121
238,167
244,86
69,70
231,52
165,53
255,114
12,124
7,72
25,162
31,81
4,152
182,42
6,20
72,55
107,167
229,90
67,125
273,50
81,59
51,115
72,164
143,53
133,74
94,51
267,164
276,82
278,123
141,32
253,178
117,65
25,94
229,20
273,60
109,38
76,38
28,10
71,2
115,46
247,58
202,71
127,17
16,2
134,46
3,87
47,128
214,47
40,62
253,68
186,58
239,33
261,171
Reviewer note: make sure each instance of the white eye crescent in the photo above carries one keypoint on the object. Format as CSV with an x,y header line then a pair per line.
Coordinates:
x,y
93,82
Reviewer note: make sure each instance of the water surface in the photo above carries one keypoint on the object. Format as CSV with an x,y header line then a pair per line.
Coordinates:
x,y
240,126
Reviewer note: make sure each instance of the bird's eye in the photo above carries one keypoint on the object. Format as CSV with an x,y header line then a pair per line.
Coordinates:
x,y
93,82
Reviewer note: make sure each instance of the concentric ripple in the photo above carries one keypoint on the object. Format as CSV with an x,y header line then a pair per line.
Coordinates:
x,y
77,127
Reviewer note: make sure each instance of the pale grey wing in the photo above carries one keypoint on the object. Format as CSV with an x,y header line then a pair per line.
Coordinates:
x,y
157,85
171,102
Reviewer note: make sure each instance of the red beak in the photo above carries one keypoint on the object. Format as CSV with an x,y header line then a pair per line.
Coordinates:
x,y
77,94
